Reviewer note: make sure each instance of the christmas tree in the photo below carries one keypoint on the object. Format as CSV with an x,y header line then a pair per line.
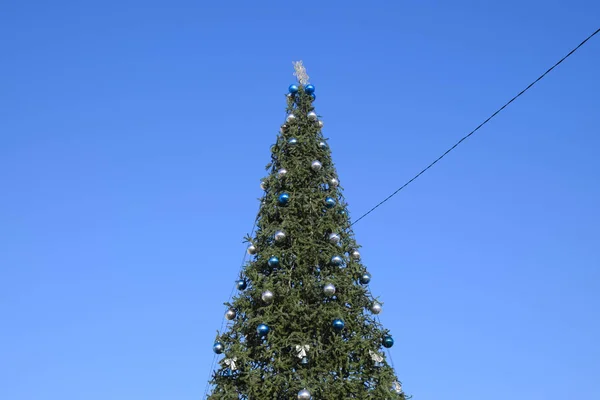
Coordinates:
x,y
303,323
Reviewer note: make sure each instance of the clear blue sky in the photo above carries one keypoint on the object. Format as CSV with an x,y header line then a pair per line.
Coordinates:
x,y
134,135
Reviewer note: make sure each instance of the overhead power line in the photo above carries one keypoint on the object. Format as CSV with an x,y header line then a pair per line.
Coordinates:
x,y
477,128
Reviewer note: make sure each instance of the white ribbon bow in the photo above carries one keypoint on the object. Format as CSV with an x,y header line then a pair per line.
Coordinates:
x,y
230,362
375,356
301,350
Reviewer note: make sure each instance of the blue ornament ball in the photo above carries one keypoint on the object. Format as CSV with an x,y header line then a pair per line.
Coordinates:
x,y
283,199
337,261
338,324
218,347
314,97
241,284
293,89
365,278
263,329
388,342
329,202
273,262
310,89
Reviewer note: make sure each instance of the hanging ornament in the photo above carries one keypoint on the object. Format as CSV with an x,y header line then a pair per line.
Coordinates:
x,y
388,342
283,128
337,261
252,249
301,350
333,182
310,88
218,347
397,387
334,238
376,308
365,278
283,199
355,255
375,356
293,89
267,296
263,185
304,395
262,329
230,314
293,141
329,289
291,118
279,236
338,324
329,202
230,362
316,165
282,172
273,262
313,96
320,123
312,116
304,361
322,145
241,285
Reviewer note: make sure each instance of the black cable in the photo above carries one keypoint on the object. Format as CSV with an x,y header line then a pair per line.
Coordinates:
x,y
478,127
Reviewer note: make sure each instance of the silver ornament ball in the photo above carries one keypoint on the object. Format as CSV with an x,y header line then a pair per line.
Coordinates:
x,y
282,172
329,289
376,308
279,236
230,314
267,296
304,395
263,185
316,165
290,118
252,249
334,182
312,116
320,124
355,255
334,238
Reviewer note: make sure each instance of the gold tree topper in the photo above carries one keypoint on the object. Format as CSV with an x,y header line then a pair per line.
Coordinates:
x,y
300,72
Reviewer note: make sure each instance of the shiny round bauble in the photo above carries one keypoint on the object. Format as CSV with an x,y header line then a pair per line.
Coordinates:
x,y
388,342
365,278
293,141
337,261
338,324
283,128
322,145
218,347
273,262
293,89
320,124
304,361
291,118
316,165
267,296
252,250
263,329
230,314
279,236
313,97
334,238
333,182
355,255
283,199
304,395
310,89
329,202
263,185
376,308
329,289
241,284
312,116
282,172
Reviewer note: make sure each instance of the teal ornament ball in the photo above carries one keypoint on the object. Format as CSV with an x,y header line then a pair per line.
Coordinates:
x,y
310,89
241,284
388,342
273,262
293,89
338,324
218,347
283,199
337,261
329,202
365,278
262,329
